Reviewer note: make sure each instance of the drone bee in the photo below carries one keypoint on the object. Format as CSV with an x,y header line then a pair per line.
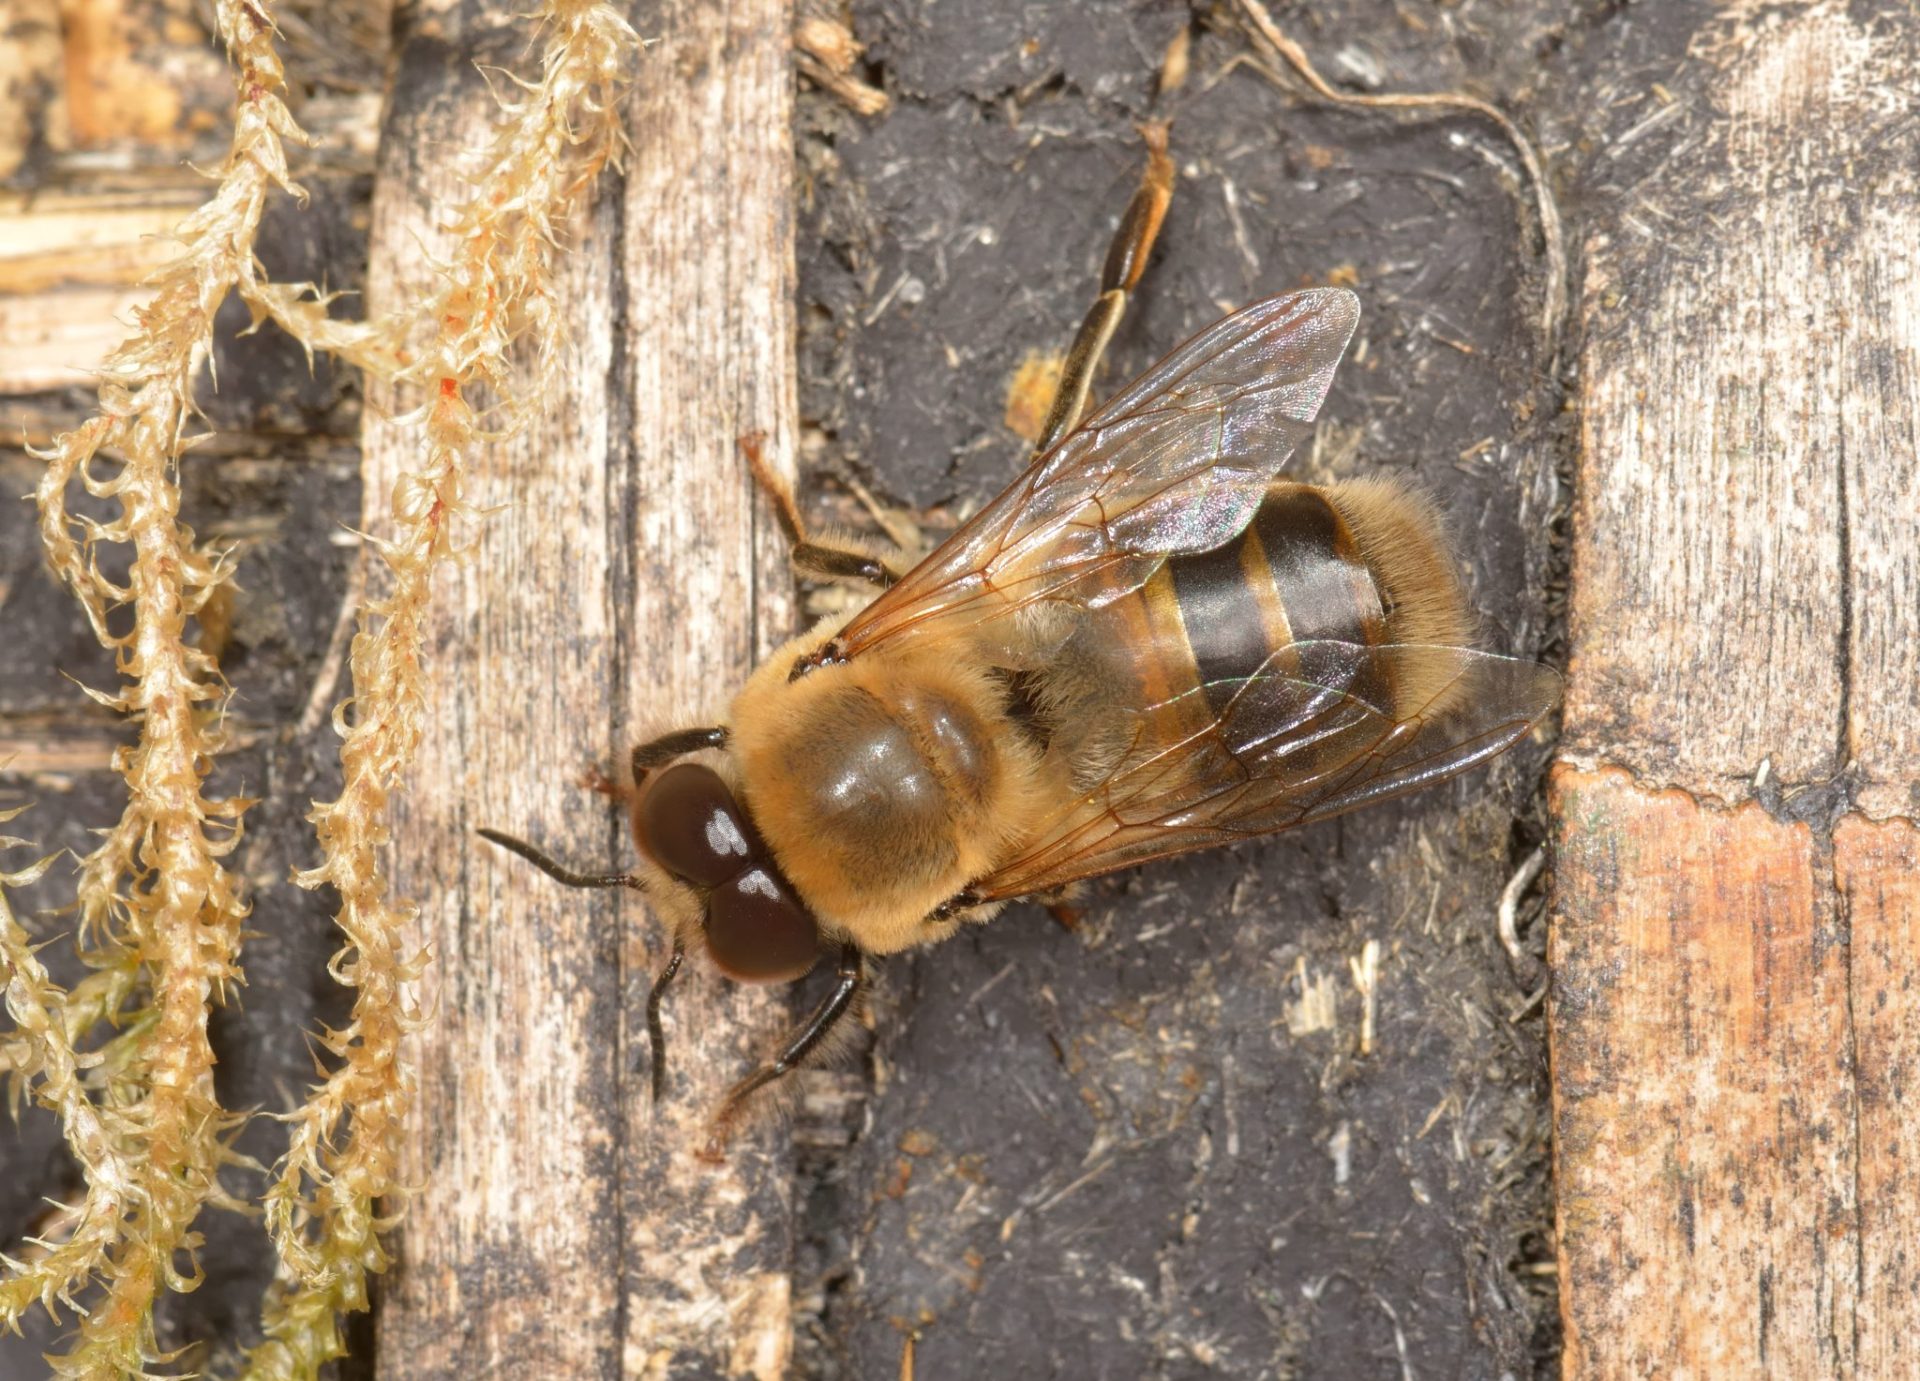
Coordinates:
x,y
1148,644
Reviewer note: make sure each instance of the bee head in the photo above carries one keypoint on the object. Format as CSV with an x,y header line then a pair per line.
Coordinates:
x,y
687,821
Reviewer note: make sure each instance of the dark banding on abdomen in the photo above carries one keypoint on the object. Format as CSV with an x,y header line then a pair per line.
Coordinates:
x,y
1294,574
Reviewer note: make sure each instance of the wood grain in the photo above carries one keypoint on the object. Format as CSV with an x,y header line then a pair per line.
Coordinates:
x,y
1877,871
57,340
1703,1095
49,241
71,274
628,585
1744,555
1735,1191
71,269
1738,1163
502,1264
708,292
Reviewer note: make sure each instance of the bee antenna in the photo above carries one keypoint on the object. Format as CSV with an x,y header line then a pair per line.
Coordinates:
x,y
656,1036
559,872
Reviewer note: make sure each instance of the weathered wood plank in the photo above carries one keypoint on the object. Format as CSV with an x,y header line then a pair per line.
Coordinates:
x,y
49,241
707,259
1704,1101
630,586
1877,870
503,1264
1881,450
1734,1197
1744,563
70,274
55,340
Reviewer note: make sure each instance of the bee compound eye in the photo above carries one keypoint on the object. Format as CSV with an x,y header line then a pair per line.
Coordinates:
x,y
758,932
688,822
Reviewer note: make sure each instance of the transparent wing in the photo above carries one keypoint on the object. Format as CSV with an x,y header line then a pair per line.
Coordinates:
x,y
1177,462
1291,745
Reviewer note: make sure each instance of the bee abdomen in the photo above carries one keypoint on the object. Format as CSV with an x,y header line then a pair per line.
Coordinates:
x,y
1424,601
1411,559
1364,562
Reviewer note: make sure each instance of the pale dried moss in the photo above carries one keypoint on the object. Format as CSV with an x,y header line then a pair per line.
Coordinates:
x,y
40,1057
155,895
160,914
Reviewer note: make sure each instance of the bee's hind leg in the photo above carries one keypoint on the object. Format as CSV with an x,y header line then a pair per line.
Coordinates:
x,y
1119,275
825,560
850,979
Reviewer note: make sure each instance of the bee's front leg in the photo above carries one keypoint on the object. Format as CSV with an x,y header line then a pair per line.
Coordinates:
x,y
658,752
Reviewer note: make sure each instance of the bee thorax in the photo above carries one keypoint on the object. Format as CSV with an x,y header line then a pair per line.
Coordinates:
x,y
884,787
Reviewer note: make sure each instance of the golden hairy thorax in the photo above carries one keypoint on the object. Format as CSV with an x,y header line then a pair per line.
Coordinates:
x,y
886,784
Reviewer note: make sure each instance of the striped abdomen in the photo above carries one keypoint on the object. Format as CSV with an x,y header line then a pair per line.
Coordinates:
x,y
1295,574
1362,563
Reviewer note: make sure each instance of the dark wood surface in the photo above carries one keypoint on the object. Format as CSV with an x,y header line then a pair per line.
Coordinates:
x,y
1107,1153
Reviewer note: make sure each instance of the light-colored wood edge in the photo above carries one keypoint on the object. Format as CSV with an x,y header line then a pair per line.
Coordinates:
x,y
1732,1189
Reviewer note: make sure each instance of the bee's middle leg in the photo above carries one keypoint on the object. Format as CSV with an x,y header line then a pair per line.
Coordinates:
x,y
810,556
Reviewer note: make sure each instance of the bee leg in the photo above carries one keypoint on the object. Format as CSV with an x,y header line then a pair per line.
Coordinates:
x,y
600,784
658,752
656,1034
810,557
963,900
851,977
1066,915
1126,261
